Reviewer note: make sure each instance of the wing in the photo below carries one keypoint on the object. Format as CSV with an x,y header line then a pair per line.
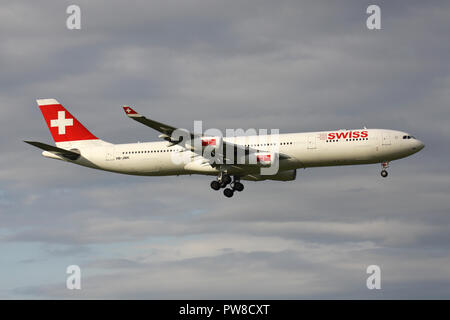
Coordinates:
x,y
69,154
158,126
167,131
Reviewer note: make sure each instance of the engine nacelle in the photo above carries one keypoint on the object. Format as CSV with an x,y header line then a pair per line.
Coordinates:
x,y
286,175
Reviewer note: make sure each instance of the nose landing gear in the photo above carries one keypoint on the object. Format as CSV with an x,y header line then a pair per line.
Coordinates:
x,y
384,166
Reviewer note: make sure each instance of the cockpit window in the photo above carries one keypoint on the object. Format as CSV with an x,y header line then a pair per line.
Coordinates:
x,y
408,137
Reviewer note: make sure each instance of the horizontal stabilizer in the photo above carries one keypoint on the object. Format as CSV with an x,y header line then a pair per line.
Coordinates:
x,y
69,154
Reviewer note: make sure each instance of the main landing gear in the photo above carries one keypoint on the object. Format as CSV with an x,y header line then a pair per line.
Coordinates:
x,y
384,166
223,180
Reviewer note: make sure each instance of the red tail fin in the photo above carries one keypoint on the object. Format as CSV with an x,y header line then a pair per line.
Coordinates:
x,y
62,125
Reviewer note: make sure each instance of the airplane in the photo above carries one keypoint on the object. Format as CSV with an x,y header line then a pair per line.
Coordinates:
x,y
292,151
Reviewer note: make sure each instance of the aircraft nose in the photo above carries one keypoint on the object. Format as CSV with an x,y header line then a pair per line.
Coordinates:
x,y
422,145
419,145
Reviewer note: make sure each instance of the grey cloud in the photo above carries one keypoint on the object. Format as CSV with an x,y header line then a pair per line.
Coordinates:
x,y
244,275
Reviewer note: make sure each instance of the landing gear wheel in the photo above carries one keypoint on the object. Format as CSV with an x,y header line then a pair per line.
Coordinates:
x,y
228,192
215,185
384,173
238,186
226,179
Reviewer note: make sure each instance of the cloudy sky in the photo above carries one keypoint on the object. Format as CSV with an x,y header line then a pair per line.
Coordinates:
x,y
291,65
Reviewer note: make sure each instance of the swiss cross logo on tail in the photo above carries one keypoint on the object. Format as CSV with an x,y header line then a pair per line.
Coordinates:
x,y
63,126
61,122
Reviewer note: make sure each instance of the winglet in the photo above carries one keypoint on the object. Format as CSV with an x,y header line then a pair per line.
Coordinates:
x,y
130,112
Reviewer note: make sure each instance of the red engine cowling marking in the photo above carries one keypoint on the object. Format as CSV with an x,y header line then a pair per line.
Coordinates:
x,y
208,142
263,158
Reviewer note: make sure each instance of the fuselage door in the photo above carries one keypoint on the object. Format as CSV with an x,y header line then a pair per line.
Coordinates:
x,y
311,142
386,139
110,154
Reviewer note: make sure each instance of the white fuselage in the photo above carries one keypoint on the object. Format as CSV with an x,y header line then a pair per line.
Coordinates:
x,y
310,149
